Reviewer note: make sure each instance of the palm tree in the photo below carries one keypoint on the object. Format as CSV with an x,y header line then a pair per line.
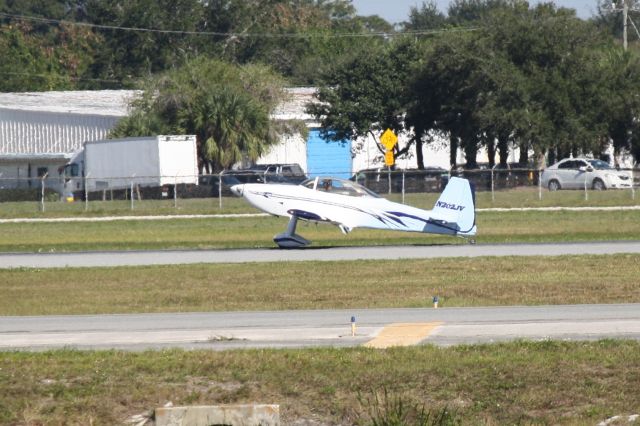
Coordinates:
x,y
231,126
226,106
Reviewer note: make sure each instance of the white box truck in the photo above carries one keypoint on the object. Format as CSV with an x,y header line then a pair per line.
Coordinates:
x,y
142,161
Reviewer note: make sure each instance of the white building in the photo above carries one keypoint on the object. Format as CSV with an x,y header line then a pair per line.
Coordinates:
x,y
40,131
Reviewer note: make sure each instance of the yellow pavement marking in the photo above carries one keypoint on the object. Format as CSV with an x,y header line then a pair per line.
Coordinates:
x,y
402,334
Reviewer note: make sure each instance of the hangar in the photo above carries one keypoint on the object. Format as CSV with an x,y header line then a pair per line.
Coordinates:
x,y
39,132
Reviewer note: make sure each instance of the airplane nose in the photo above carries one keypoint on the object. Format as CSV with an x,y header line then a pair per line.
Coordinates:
x,y
237,190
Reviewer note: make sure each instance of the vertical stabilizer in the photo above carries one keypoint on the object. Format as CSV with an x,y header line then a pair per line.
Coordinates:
x,y
455,212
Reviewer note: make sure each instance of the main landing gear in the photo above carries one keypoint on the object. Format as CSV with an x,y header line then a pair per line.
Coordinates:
x,y
289,239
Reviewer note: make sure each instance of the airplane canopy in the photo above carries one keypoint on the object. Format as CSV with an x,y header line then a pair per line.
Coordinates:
x,y
338,186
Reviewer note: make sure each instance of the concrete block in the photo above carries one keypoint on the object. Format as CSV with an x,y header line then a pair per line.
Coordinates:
x,y
209,415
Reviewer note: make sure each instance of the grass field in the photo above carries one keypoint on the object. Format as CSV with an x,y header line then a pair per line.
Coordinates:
x,y
493,227
513,383
326,285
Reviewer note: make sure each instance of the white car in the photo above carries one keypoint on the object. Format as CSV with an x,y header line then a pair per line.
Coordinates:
x,y
578,173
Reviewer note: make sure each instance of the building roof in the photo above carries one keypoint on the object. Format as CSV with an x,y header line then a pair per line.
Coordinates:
x,y
112,103
294,108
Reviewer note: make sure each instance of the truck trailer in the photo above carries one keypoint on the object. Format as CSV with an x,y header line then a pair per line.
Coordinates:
x,y
150,161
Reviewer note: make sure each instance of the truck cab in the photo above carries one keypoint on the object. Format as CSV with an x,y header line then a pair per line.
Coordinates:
x,y
73,175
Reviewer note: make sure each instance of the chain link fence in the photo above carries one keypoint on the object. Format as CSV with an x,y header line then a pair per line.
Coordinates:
x,y
46,190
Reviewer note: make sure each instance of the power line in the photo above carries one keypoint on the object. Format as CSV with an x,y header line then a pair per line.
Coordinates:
x,y
232,34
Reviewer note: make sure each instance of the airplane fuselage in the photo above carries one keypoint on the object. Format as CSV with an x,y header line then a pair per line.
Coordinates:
x,y
349,211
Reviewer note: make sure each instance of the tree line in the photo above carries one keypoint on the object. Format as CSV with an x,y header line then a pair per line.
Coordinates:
x,y
500,75
104,44
493,74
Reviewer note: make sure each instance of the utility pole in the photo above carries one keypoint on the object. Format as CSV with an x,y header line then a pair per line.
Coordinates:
x,y
625,8
625,25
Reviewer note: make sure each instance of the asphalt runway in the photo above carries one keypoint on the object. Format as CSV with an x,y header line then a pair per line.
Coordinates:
x,y
174,257
294,329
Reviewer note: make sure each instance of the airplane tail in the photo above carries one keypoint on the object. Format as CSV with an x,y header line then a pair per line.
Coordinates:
x,y
455,211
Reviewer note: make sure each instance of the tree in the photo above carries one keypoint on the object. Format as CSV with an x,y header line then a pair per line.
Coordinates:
x,y
227,107
367,94
128,55
42,55
55,60
301,39
448,91
464,12
618,106
425,17
551,49
527,76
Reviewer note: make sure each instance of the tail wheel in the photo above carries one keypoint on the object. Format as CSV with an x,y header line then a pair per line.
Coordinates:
x,y
598,185
554,185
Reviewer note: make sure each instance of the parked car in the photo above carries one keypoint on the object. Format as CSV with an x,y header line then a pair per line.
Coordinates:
x,y
430,179
575,173
276,173
210,184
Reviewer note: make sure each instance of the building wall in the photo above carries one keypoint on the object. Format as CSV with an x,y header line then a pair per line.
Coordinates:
x,y
291,149
38,132
328,158
27,173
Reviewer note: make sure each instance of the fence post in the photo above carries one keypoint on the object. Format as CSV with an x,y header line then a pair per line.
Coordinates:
x,y
175,192
131,193
586,193
633,190
540,185
42,191
220,190
86,193
493,196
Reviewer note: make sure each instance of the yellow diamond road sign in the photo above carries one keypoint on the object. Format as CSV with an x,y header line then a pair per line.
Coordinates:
x,y
389,139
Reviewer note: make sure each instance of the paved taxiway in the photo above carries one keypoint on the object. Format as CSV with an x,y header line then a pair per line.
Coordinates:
x,y
227,330
173,257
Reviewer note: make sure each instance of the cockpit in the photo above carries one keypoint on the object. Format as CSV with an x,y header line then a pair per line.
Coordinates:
x,y
338,186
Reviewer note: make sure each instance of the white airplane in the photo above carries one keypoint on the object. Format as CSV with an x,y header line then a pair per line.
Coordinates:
x,y
350,205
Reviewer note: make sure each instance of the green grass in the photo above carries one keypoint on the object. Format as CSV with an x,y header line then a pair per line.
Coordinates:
x,y
493,227
512,383
30,209
325,285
